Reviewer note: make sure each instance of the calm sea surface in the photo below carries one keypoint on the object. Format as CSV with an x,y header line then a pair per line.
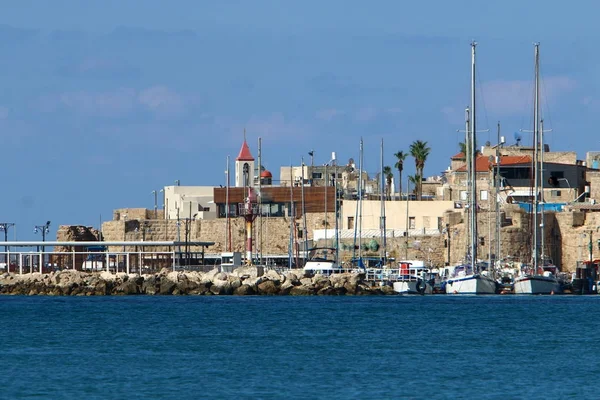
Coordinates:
x,y
431,347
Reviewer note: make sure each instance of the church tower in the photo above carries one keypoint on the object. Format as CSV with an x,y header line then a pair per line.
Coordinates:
x,y
244,166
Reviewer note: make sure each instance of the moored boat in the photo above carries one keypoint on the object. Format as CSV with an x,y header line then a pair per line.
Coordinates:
x,y
323,260
545,281
466,281
541,276
412,278
585,278
471,278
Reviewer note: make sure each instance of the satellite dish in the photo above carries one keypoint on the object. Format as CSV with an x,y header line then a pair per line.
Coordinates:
x,y
517,137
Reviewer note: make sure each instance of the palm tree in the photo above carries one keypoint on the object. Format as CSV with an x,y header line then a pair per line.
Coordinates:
x,y
415,180
463,149
400,157
387,172
420,151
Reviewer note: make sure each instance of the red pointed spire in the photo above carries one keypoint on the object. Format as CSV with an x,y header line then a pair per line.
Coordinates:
x,y
245,154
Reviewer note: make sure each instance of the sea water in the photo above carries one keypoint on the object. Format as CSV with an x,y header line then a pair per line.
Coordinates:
x,y
382,347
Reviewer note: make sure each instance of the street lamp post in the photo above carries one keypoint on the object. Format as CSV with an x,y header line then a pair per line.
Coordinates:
x,y
155,193
145,229
178,239
43,229
311,154
4,226
568,184
407,218
124,232
448,241
164,202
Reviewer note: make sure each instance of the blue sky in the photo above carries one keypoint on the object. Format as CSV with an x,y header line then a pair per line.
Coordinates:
x,y
104,101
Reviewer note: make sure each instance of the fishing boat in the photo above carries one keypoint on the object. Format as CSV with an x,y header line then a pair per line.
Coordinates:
x,y
539,277
471,277
413,278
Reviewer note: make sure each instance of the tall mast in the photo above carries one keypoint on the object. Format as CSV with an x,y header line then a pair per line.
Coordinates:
x,y
259,249
469,182
473,136
304,229
382,223
536,132
292,219
360,198
497,194
227,222
357,213
336,210
407,217
542,201
326,188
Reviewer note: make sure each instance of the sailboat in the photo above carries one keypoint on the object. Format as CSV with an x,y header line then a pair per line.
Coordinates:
x,y
540,276
359,262
471,277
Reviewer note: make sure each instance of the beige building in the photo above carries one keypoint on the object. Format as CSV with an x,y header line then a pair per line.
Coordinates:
x,y
422,215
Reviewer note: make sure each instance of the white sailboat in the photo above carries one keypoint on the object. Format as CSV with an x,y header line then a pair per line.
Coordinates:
x,y
471,278
540,277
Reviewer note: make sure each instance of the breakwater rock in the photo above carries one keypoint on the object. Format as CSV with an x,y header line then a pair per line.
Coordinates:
x,y
242,281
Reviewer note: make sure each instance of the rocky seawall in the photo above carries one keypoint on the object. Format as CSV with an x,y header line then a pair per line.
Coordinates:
x,y
242,281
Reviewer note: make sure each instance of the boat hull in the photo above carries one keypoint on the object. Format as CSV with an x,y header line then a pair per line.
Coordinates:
x,y
471,284
536,284
412,287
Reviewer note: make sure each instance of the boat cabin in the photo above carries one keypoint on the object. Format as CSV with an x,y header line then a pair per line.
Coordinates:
x,y
322,260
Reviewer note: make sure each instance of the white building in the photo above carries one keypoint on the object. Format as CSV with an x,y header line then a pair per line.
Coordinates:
x,y
195,202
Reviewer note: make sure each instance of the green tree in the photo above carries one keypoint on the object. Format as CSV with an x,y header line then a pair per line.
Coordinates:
x,y
389,175
463,149
420,151
400,157
415,180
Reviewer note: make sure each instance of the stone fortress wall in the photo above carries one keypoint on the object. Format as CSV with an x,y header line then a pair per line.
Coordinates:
x,y
567,235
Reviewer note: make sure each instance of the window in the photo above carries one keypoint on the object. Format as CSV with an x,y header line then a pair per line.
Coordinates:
x,y
483,195
233,208
272,210
291,209
515,172
350,223
317,175
555,193
412,223
463,195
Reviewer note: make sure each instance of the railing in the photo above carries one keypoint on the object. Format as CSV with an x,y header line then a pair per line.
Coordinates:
x,y
373,233
23,262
